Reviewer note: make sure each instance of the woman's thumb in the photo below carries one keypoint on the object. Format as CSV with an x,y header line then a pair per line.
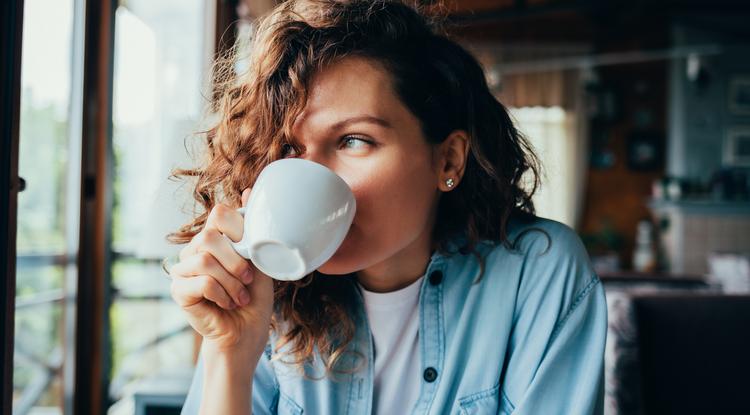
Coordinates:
x,y
245,196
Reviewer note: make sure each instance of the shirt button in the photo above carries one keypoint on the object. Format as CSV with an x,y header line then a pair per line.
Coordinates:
x,y
436,277
430,374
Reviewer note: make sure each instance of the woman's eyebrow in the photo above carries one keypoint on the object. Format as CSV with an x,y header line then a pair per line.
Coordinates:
x,y
362,118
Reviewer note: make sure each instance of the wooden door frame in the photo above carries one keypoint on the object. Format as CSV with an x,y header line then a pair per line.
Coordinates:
x,y
92,338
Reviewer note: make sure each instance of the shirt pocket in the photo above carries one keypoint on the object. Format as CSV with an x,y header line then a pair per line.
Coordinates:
x,y
488,401
287,406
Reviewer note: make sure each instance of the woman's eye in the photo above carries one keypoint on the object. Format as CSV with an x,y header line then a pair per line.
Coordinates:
x,y
286,149
355,142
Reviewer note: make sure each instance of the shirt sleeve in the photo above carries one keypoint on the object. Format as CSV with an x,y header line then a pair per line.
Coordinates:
x,y
265,388
555,361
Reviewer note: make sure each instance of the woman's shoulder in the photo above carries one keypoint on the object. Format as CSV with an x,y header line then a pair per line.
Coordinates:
x,y
536,239
540,236
543,256
538,251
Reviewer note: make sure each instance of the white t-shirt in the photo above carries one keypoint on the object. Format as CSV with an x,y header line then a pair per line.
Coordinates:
x,y
394,322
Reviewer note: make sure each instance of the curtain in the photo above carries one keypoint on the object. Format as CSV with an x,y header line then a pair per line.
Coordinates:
x,y
549,109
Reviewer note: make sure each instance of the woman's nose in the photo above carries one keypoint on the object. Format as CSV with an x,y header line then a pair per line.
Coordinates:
x,y
317,155
324,159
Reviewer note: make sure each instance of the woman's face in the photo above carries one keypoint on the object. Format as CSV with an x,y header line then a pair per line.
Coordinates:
x,y
355,124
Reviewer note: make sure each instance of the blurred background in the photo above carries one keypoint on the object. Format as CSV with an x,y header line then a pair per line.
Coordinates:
x,y
640,111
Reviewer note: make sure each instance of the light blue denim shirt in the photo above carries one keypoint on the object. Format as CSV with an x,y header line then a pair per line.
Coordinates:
x,y
527,338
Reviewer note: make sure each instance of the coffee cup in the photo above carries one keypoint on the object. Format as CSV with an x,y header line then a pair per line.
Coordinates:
x,y
296,217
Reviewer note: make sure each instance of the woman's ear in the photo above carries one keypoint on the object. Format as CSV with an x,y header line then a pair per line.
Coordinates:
x,y
452,155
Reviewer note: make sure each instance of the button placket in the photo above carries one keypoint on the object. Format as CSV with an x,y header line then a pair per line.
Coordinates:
x,y
361,384
431,336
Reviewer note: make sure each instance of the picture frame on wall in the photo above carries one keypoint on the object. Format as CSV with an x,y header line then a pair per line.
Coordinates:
x,y
645,151
739,95
737,147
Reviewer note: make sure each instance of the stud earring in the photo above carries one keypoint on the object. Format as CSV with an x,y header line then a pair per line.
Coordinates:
x,y
449,183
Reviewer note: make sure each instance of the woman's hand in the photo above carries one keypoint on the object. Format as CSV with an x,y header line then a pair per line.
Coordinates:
x,y
226,299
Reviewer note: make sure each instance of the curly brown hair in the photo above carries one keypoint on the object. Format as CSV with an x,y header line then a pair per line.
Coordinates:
x,y
440,83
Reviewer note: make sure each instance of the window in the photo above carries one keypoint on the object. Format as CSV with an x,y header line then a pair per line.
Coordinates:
x,y
47,230
552,132
162,55
162,52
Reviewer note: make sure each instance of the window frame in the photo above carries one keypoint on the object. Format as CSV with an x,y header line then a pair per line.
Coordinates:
x,y
11,30
94,249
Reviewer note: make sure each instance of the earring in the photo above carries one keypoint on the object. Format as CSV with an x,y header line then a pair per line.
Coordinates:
x,y
449,183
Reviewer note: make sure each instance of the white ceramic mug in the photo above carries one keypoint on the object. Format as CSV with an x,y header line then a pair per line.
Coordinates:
x,y
296,217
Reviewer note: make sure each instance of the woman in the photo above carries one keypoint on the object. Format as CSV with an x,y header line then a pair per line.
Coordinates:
x,y
447,296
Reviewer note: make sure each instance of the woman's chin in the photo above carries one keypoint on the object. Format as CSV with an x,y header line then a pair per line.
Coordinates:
x,y
340,263
337,265
328,269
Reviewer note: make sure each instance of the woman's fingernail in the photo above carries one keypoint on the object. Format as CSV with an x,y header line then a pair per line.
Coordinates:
x,y
247,276
244,297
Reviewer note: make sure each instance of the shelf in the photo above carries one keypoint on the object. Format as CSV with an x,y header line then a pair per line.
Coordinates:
x,y
702,206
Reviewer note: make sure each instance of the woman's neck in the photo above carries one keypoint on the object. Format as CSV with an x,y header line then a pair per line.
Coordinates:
x,y
399,270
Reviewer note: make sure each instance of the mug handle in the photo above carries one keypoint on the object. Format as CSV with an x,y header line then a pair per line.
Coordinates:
x,y
240,246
